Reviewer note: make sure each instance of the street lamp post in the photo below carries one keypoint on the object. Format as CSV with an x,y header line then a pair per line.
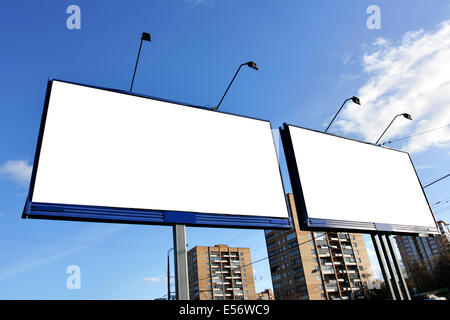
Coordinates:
x,y
168,273
250,64
354,99
405,115
144,37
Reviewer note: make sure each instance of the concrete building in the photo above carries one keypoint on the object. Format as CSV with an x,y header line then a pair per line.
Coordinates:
x,y
423,250
266,295
317,265
220,273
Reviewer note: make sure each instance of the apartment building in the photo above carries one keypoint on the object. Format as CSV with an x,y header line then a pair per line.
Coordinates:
x,y
220,273
266,295
317,265
423,250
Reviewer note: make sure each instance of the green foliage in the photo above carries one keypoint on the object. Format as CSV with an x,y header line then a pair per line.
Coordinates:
x,y
435,277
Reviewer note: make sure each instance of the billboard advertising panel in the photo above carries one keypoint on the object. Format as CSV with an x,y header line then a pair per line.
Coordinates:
x,y
339,183
108,155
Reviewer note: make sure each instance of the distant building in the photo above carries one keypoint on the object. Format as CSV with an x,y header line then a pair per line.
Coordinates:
x,y
423,250
266,295
317,265
220,273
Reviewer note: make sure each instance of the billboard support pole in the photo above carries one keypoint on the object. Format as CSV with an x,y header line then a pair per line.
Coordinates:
x,y
401,278
388,258
181,267
384,271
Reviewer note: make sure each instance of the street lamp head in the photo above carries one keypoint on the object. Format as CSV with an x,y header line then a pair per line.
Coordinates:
x,y
407,116
146,36
356,100
251,64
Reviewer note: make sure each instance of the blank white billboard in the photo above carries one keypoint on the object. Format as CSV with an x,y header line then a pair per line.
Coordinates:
x,y
352,184
109,149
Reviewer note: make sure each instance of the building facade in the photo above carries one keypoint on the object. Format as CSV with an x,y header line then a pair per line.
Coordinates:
x,y
266,295
220,273
423,250
317,265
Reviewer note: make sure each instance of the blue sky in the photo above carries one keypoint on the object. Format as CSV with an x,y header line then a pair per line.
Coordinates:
x,y
312,55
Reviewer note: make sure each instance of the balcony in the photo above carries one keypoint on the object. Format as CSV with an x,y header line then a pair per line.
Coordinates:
x,y
329,288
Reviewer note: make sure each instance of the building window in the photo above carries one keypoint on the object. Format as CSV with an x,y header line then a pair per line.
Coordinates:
x,y
291,236
361,268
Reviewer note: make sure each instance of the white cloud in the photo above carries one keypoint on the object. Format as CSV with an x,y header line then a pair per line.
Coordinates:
x,y
19,171
346,77
423,167
155,279
346,57
204,2
44,255
413,77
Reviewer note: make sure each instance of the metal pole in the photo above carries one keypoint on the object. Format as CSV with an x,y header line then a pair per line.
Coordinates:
x,y
181,268
336,114
384,271
217,107
135,67
168,273
390,266
168,278
387,128
397,268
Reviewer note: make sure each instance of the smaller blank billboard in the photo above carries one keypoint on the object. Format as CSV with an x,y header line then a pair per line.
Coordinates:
x,y
107,155
344,184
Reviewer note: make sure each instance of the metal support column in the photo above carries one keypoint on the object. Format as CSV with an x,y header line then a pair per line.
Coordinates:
x,y
394,256
390,265
384,271
181,267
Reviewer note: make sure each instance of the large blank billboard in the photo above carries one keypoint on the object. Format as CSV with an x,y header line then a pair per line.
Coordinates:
x,y
109,155
345,184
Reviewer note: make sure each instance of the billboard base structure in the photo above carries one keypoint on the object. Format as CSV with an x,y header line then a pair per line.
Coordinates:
x,y
37,210
390,267
181,265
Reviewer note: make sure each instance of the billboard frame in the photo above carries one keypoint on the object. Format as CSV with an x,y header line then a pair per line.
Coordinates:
x,y
315,224
87,213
